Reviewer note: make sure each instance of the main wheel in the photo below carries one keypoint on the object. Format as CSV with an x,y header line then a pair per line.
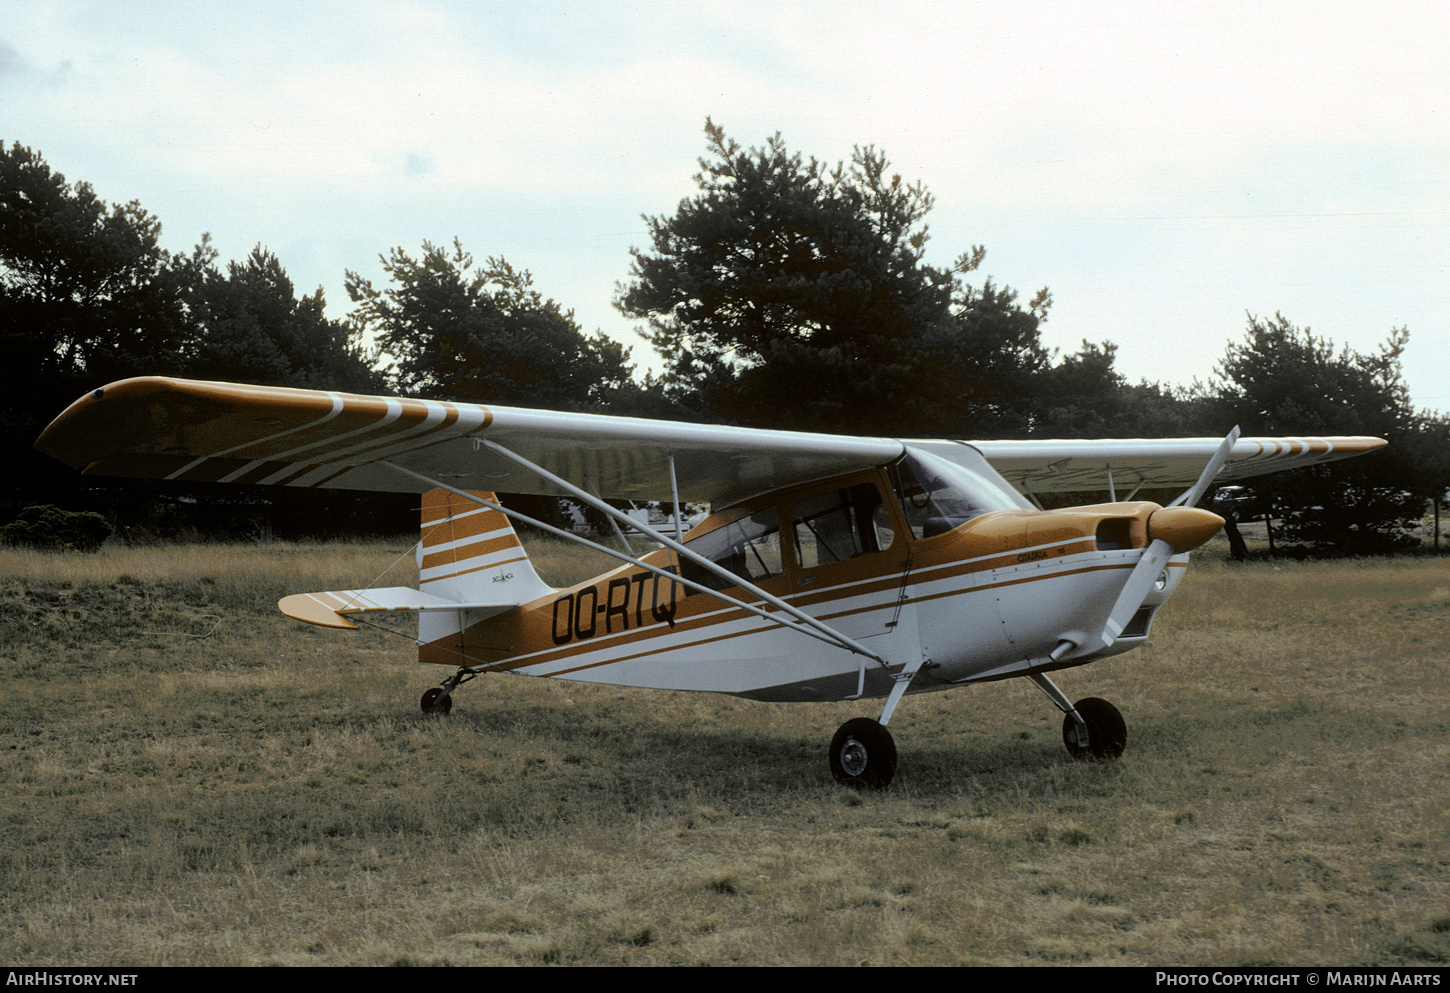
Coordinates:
x,y
1107,731
432,705
863,754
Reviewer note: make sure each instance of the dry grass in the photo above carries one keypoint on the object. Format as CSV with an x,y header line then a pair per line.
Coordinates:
x,y
190,778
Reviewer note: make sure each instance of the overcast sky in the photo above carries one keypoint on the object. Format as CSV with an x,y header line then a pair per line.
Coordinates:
x,y
1165,168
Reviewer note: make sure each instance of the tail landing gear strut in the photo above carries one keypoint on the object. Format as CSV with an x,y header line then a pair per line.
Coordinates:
x,y
439,700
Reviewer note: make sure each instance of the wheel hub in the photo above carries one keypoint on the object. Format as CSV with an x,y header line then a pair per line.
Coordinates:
x,y
853,757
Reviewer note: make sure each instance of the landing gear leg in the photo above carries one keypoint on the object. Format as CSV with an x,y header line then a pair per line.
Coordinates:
x,y
863,753
1091,728
439,700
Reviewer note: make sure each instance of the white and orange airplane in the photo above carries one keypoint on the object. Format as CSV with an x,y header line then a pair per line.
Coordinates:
x,y
830,568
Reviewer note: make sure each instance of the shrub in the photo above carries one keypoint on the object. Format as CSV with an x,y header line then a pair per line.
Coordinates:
x,y
49,528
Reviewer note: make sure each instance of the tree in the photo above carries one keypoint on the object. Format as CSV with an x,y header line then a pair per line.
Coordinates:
x,y
1427,449
52,529
250,327
87,296
1282,380
1084,396
977,372
86,291
791,293
485,335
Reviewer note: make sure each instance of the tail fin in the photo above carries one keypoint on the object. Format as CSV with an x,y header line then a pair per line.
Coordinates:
x,y
470,553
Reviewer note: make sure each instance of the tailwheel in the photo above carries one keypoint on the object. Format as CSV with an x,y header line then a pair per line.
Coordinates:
x,y
863,754
1105,736
433,705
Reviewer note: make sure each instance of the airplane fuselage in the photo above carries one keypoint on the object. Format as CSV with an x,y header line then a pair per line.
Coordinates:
x,y
993,597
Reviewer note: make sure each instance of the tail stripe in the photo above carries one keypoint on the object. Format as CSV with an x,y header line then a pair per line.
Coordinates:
x,y
437,515
464,526
446,565
483,544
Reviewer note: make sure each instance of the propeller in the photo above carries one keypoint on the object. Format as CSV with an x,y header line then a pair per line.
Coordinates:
x,y
1191,496
1179,527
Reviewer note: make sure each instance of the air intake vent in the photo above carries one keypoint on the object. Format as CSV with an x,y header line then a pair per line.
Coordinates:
x,y
1115,533
1138,626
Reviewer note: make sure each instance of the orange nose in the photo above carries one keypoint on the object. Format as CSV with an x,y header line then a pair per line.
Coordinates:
x,y
1185,528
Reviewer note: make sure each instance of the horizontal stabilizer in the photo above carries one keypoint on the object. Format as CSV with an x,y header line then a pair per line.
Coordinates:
x,y
329,609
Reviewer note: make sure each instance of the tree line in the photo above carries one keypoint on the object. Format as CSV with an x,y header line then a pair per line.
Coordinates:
x,y
786,292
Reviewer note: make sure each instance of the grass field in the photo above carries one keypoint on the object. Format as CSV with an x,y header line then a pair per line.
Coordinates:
x,y
190,778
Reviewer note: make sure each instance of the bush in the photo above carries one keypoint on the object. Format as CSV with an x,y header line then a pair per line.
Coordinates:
x,y
49,528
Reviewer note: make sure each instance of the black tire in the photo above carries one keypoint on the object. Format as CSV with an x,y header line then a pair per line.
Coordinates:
x,y
863,755
431,704
1107,731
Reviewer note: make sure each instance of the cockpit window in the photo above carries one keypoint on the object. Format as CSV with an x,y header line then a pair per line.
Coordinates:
x,y
748,547
938,495
840,524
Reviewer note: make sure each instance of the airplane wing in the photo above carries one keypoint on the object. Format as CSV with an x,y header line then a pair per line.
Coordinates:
x,y
158,428
1154,463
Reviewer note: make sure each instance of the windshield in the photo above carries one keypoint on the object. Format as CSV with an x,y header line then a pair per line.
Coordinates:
x,y
944,488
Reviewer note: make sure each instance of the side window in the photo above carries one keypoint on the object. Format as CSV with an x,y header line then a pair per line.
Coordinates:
x,y
840,524
749,548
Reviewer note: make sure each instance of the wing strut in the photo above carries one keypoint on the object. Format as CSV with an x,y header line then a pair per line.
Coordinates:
x,y
618,531
807,624
675,498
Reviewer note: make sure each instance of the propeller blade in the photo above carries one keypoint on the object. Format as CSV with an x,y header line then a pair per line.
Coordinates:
x,y
1136,589
1155,556
1190,498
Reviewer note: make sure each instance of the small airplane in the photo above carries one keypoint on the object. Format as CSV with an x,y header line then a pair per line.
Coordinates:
x,y
829,568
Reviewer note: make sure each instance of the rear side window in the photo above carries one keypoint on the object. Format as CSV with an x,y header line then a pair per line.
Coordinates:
x,y
749,548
